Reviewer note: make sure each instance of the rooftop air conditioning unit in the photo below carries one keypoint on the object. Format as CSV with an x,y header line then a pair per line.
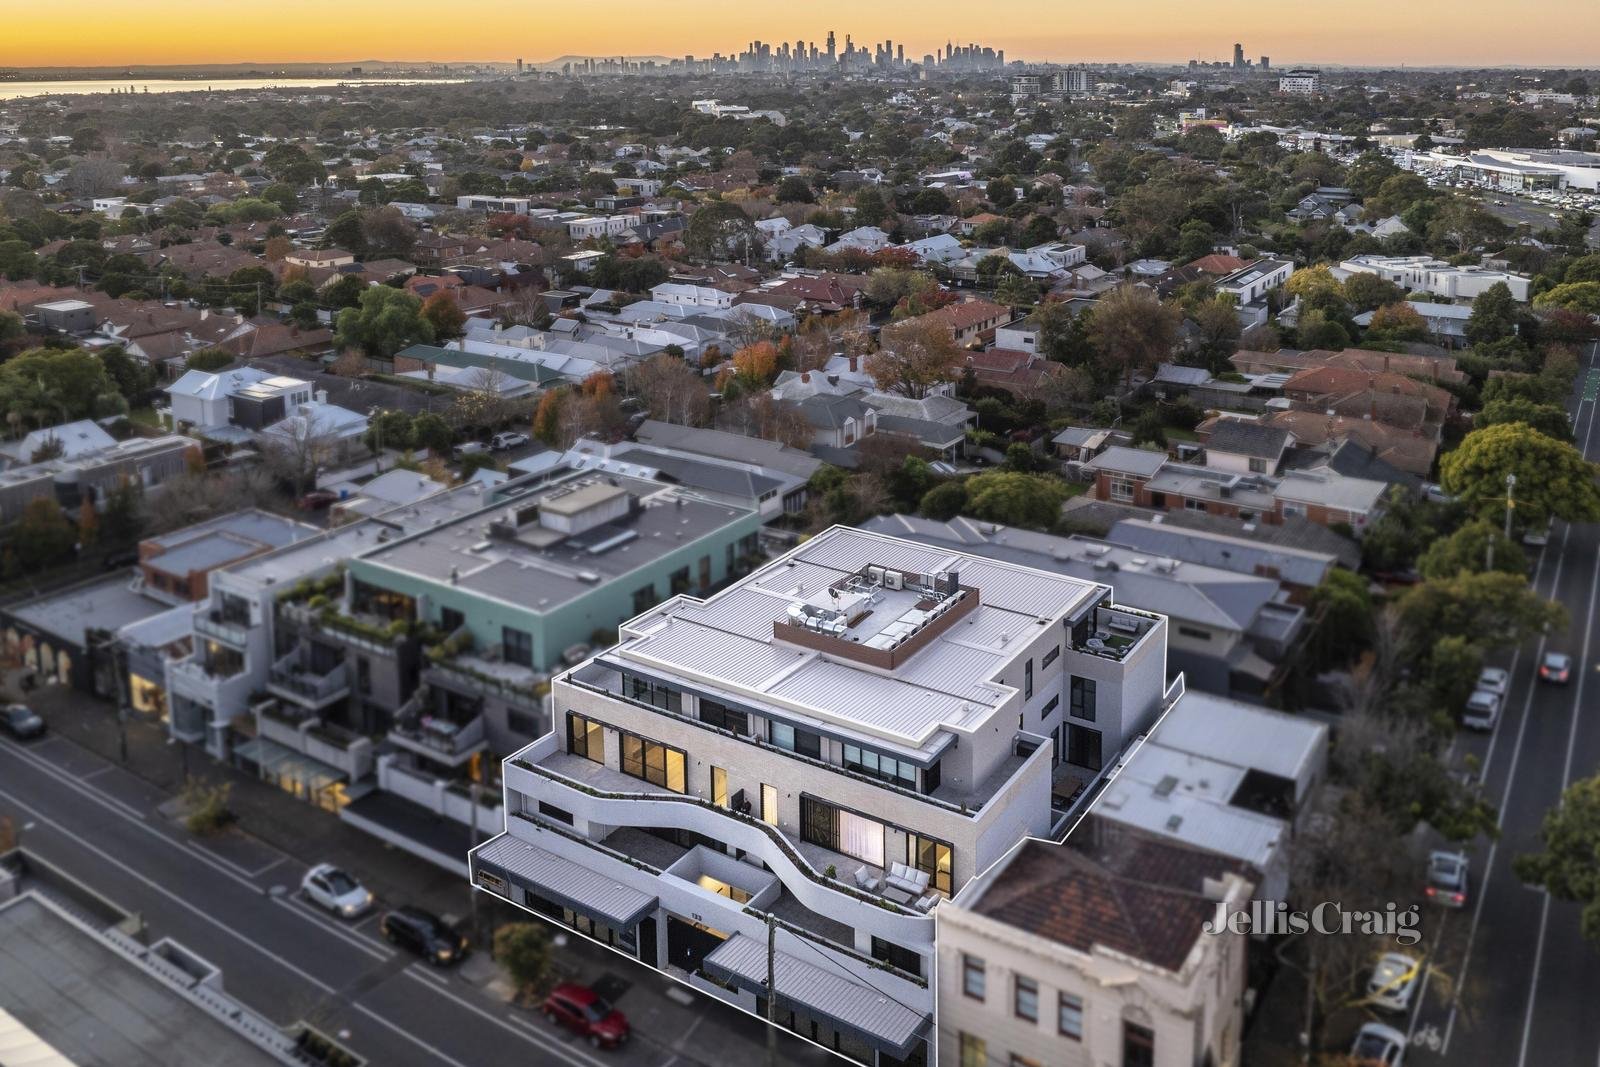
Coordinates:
x,y
894,579
875,575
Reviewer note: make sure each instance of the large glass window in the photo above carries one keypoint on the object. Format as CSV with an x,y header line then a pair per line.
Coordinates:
x,y
719,787
652,762
1083,747
585,738
1051,656
878,765
935,857
769,804
516,646
1083,695
723,717
842,831
791,739
648,691
896,956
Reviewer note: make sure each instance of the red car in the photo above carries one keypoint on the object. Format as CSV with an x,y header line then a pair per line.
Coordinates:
x,y
317,499
587,1014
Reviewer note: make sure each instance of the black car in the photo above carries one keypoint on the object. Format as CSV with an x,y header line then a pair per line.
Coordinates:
x,y
425,934
21,721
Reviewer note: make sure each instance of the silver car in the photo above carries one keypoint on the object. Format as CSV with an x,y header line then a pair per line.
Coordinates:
x,y
329,887
1393,982
1482,710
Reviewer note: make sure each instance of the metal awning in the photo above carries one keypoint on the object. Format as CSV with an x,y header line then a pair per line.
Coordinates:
x,y
853,1006
586,891
284,764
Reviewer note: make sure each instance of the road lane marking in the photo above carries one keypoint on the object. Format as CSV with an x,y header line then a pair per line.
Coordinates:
x,y
304,910
533,1036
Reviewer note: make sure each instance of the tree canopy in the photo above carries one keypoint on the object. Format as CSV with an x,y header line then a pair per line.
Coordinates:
x,y
1553,478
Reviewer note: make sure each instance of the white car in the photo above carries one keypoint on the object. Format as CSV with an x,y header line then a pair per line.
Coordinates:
x,y
328,887
1482,710
1393,981
1378,1045
1495,679
504,442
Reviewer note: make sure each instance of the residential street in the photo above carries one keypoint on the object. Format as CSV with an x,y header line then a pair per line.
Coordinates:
x,y
1512,980
231,900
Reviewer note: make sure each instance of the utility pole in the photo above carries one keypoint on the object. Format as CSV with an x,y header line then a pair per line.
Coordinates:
x,y
473,790
772,992
1511,484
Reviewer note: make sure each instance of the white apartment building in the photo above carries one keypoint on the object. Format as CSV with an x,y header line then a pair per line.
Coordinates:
x,y
586,227
820,754
1303,81
685,295
1426,274
1093,954
516,205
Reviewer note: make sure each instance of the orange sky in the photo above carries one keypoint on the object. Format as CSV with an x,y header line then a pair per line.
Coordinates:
x,y
1457,32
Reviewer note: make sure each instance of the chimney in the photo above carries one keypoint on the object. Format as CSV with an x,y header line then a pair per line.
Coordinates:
x,y
855,362
1386,363
805,376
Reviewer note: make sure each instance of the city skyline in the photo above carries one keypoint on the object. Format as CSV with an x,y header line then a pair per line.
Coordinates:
x,y
1479,33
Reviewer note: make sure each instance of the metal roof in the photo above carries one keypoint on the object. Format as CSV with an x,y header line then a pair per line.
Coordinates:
x,y
584,890
878,1018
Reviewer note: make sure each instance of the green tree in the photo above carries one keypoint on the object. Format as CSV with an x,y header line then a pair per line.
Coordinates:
x,y
386,321
444,315
1345,603
1569,866
346,232
1466,551
1017,291
432,432
1494,315
945,501
1317,330
122,519
1549,419
1473,605
345,292
1553,478
1196,238
1031,500
389,429
46,386
1132,331
794,190
1368,292
718,230
42,537
1583,297
1397,323
209,359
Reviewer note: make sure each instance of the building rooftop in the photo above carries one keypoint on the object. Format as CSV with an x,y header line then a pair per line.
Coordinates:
x,y
222,540
821,635
109,604
540,548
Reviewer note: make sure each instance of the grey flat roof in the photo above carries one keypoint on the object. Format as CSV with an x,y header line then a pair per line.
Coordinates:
x,y
105,605
588,891
1125,460
94,1006
874,1015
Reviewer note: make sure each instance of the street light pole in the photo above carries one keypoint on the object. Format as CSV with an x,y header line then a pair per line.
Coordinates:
x,y
1488,554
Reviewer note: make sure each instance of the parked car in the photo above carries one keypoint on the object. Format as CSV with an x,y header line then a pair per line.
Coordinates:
x,y
468,448
425,934
504,442
317,500
1482,711
1495,679
1377,1045
1436,493
1448,878
1555,667
587,1014
21,721
1539,538
329,887
115,561
1393,982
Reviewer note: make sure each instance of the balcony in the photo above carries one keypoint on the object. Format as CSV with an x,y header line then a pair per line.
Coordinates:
x,y
294,679
439,738
301,731
230,630
1117,631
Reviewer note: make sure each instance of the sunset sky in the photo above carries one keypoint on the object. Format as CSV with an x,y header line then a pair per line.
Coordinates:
x,y
116,32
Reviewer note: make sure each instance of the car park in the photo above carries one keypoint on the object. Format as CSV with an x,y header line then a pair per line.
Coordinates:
x,y
1482,710
331,888
1555,667
1377,1045
587,1014
21,721
425,934
1448,878
1393,982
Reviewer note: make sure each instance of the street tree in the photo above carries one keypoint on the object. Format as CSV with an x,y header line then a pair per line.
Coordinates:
x,y
1552,477
43,537
719,230
1549,419
1568,867
1494,315
385,321
1466,551
523,949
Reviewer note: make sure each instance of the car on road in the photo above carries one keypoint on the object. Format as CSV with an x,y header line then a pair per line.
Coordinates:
x,y
1393,982
1448,878
587,1014
1556,667
425,934
1539,538
1482,710
468,448
21,721
1377,1045
331,888
505,442
1495,679
316,500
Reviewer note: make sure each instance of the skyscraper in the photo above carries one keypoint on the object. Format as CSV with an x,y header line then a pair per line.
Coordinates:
x,y
830,45
1238,57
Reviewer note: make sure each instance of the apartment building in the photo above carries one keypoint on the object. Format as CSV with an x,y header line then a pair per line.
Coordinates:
x,y
795,772
1436,276
1093,953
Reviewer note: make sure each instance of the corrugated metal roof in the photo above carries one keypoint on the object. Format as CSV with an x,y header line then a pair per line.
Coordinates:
x,y
883,1020
589,891
1242,734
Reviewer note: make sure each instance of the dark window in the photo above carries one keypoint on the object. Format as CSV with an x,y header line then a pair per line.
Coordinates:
x,y
973,977
930,778
680,581
877,765
646,691
819,823
723,717
1025,999
1027,680
705,572
1138,1045
1050,705
1051,656
896,956
451,620
1083,747
644,599
363,675
550,811
516,646
1069,1016
585,738
1082,705
653,762
790,739
1198,635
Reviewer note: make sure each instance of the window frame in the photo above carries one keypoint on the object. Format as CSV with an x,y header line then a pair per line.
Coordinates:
x,y
1069,1005
1022,985
970,965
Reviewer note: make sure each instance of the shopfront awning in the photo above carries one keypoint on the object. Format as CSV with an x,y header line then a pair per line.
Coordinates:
x,y
284,765
586,891
852,1006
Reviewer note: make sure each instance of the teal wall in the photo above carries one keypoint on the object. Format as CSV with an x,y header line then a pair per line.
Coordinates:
x,y
604,606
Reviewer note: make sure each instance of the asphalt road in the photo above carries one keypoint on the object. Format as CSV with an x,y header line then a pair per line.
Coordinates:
x,y
279,955
1512,983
